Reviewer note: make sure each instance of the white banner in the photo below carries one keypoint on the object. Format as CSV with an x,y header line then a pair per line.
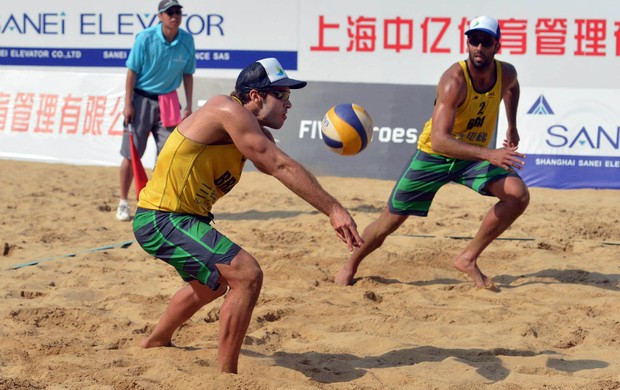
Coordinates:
x,y
64,117
553,43
64,66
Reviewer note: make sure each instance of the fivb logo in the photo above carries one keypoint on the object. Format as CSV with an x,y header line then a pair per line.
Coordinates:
x,y
541,107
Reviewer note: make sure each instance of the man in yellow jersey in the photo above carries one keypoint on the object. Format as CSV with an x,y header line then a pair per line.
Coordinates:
x,y
453,147
201,161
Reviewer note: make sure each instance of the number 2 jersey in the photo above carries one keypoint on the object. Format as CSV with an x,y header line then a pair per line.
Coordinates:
x,y
476,118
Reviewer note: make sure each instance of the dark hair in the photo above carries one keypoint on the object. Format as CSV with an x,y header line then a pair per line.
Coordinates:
x,y
251,77
244,97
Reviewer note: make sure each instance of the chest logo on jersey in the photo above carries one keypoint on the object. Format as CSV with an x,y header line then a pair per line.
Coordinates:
x,y
225,182
475,122
478,121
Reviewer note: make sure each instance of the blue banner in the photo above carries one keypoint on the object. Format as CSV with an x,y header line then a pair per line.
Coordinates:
x,y
87,57
571,172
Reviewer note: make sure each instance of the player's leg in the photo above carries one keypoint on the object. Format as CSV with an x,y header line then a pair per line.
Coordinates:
x,y
183,305
413,194
513,198
245,278
374,235
205,258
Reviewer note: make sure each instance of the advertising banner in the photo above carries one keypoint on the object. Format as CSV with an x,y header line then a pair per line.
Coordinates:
x,y
62,117
87,35
571,139
63,69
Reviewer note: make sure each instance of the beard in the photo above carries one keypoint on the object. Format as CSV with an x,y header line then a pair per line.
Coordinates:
x,y
480,60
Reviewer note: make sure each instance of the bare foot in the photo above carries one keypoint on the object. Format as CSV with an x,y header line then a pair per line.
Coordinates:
x,y
150,343
344,277
470,267
489,286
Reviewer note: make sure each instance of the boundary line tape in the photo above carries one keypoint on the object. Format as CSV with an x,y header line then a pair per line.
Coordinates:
x,y
123,245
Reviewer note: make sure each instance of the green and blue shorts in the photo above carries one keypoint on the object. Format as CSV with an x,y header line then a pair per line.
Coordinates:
x,y
427,173
185,241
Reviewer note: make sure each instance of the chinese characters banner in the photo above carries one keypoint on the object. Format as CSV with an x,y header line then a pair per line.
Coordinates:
x,y
412,42
57,116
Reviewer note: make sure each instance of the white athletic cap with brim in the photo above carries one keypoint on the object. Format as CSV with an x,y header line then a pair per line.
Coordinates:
x,y
486,24
263,74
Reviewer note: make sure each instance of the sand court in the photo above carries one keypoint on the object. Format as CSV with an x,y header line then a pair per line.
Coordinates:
x,y
75,318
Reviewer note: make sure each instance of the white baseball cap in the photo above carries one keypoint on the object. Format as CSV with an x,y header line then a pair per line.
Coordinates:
x,y
486,24
263,74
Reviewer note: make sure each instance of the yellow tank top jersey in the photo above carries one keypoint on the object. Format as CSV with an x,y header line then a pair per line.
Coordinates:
x,y
476,118
190,177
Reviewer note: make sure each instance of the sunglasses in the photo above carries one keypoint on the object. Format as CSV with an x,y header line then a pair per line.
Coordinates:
x,y
475,41
279,94
173,11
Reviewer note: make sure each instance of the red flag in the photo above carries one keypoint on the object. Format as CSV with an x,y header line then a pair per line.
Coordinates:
x,y
139,174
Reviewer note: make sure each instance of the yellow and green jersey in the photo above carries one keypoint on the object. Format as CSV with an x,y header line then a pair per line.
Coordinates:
x,y
190,177
476,118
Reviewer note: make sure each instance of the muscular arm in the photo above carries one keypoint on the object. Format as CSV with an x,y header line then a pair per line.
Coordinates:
x,y
222,118
271,160
510,96
451,92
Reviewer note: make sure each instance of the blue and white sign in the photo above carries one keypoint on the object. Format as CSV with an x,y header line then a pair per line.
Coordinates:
x,y
64,33
572,140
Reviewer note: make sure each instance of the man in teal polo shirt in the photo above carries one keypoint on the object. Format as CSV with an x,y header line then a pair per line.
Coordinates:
x,y
162,56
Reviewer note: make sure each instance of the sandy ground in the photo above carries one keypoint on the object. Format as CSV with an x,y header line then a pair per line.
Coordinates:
x,y
75,318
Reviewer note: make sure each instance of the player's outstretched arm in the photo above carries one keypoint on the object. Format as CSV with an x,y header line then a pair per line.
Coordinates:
x,y
255,144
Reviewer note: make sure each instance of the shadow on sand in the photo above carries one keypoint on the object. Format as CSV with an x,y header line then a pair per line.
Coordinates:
x,y
333,368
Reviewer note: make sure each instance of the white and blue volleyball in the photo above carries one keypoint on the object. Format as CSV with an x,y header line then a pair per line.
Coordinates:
x,y
347,129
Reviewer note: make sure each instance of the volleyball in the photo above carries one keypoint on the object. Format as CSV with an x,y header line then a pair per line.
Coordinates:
x,y
347,129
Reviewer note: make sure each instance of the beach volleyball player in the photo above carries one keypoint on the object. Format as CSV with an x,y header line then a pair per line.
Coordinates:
x,y
201,161
453,147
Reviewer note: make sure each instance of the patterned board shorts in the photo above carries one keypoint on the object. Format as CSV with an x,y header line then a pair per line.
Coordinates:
x,y
185,241
427,173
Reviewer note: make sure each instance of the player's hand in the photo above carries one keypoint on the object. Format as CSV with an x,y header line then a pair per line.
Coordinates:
x,y
346,228
512,137
507,158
